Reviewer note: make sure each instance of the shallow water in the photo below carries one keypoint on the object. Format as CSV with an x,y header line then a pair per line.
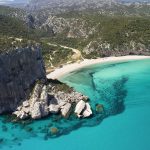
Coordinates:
x,y
123,89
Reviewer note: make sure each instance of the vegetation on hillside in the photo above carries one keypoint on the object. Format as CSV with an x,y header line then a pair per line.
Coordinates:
x,y
118,31
12,27
10,11
106,35
55,55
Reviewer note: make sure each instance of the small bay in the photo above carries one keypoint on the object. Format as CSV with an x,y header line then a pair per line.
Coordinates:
x,y
123,88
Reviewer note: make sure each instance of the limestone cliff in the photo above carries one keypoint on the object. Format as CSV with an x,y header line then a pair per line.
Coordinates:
x,y
19,70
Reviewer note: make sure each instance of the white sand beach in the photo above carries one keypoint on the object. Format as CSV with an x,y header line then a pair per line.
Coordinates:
x,y
59,72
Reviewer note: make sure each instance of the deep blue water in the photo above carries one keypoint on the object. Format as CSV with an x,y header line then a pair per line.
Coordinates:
x,y
124,90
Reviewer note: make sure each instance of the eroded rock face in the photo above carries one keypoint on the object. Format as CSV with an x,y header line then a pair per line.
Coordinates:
x,y
42,103
19,69
39,102
37,106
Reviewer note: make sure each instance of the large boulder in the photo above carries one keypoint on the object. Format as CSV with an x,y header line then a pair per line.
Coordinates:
x,y
65,110
54,109
54,106
79,108
87,112
83,109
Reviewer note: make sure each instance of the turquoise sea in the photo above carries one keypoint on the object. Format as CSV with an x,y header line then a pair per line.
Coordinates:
x,y
124,90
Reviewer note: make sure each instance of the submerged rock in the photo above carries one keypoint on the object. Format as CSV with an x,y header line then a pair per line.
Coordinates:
x,y
99,108
54,130
1,140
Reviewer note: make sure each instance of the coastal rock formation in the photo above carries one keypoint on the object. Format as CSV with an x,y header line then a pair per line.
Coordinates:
x,y
19,69
65,110
83,109
79,108
44,101
54,107
36,106
87,111
39,102
25,91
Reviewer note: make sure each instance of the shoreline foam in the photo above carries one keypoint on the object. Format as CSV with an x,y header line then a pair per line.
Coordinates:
x,y
59,72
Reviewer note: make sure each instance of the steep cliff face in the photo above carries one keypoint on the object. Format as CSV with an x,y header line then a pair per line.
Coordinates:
x,y
19,70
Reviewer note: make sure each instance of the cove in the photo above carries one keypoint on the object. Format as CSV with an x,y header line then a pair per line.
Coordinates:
x,y
123,89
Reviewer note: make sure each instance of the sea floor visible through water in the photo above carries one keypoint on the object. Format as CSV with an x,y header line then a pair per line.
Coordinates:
x,y
124,90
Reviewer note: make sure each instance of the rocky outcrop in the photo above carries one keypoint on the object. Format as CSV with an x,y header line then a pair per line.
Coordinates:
x,y
79,108
83,109
36,106
65,110
19,70
39,102
45,101
72,27
99,48
70,4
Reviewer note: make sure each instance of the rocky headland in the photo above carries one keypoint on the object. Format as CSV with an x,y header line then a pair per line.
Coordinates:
x,y
27,93
19,70
46,99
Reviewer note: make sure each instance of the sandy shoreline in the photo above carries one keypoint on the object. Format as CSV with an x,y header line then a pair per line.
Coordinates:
x,y
59,72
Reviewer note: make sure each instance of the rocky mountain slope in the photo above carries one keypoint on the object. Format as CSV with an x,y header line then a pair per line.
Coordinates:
x,y
102,6
115,28
74,4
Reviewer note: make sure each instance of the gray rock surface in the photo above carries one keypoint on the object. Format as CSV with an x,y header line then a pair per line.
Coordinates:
x,y
65,110
19,69
42,103
54,106
37,105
